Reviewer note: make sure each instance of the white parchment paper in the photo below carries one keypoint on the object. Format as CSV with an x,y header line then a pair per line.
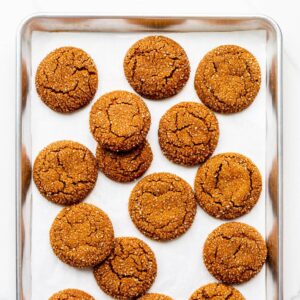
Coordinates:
x,y
180,266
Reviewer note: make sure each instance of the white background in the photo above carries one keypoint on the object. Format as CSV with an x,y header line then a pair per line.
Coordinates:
x,y
286,13
180,266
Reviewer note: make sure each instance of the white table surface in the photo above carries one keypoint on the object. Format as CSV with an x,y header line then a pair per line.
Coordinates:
x,y
286,13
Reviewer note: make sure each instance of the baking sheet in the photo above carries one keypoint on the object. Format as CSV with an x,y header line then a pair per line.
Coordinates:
x,y
180,266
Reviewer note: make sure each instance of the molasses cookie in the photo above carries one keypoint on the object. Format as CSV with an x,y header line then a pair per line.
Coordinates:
x,y
228,185
228,79
129,271
65,172
162,206
66,79
188,133
154,296
156,67
234,252
217,291
119,121
82,235
125,166
71,294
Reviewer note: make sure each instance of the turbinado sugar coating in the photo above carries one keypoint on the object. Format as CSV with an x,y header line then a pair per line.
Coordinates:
x,y
156,67
82,235
228,185
65,172
66,79
213,291
162,206
188,133
234,252
125,166
129,271
228,79
71,294
119,121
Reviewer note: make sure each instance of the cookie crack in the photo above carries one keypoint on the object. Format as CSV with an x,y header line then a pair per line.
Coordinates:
x,y
110,122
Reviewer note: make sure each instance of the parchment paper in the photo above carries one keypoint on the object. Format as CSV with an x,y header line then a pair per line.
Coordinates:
x,y
180,266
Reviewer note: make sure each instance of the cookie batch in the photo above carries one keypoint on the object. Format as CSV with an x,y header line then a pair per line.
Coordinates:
x,y
162,206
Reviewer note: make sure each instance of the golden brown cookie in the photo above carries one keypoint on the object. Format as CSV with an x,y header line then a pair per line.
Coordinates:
x,y
154,296
82,235
125,166
162,206
156,67
234,252
66,79
228,79
228,185
188,133
119,121
65,172
71,294
219,291
129,271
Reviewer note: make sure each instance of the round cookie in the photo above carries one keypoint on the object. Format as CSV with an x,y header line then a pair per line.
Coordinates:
x,y
65,172
129,271
71,294
66,79
125,166
228,185
217,291
119,121
188,133
82,235
162,206
228,79
234,252
156,67
154,296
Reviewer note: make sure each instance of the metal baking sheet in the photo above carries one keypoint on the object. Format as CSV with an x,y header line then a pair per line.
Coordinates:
x,y
39,34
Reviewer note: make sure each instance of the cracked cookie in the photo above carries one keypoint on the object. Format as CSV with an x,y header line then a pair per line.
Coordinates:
x,y
217,291
129,271
66,79
65,172
125,166
188,133
162,206
71,294
228,79
234,252
156,67
119,121
154,296
228,185
82,235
